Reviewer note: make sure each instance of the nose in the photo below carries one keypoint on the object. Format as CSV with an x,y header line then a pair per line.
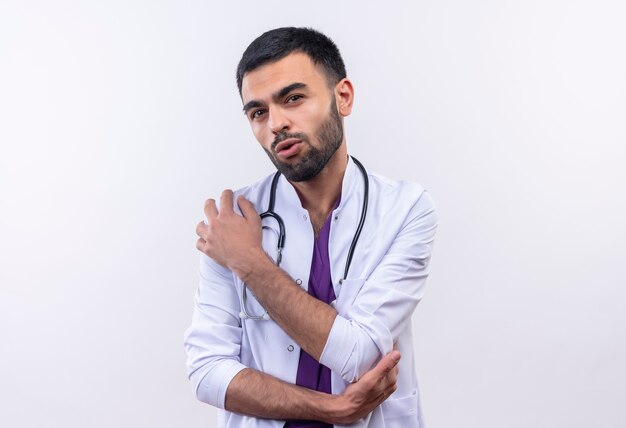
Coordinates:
x,y
278,121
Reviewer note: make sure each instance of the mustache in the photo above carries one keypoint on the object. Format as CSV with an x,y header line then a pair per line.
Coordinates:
x,y
282,136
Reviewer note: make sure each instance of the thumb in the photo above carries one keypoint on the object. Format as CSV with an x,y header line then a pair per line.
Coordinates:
x,y
387,363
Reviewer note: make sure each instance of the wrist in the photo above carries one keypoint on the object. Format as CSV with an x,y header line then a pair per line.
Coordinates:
x,y
331,409
255,264
337,410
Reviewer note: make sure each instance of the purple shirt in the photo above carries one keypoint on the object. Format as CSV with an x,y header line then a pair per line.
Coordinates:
x,y
311,374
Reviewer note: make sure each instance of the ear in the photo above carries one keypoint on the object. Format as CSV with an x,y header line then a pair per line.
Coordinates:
x,y
344,95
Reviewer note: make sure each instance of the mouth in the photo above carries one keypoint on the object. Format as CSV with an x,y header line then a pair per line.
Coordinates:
x,y
288,147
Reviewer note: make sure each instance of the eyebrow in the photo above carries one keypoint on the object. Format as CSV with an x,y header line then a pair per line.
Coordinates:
x,y
277,95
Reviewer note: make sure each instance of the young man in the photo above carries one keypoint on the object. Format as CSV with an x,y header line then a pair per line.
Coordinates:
x,y
315,341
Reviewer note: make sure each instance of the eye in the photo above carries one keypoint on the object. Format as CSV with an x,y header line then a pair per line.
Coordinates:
x,y
257,113
293,98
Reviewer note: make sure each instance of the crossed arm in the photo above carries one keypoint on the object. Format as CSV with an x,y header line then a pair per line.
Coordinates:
x,y
234,241
258,394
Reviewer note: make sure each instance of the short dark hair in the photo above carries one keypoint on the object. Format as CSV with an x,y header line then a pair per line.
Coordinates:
x,y
276,44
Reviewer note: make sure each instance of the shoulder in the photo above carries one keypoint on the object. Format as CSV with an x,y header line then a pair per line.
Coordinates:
x,y
405,207
400,194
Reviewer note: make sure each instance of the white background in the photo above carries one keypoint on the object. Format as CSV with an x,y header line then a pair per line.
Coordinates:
x,y
118,118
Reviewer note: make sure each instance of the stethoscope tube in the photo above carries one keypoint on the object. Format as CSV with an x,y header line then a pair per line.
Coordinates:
x,y
357,234
271,213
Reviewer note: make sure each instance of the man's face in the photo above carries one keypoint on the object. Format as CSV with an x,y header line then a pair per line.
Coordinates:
x,y
293,114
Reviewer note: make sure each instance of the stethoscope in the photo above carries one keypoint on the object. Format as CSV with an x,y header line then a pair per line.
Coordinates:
x,y
281,237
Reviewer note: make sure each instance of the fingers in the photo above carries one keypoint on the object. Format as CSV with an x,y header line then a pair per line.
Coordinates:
x,y
200,245
226,201
391,359
210,210
391,388
392,374
390,379
226,206
201,229
394,355
376,386
247,208
202,232
389,372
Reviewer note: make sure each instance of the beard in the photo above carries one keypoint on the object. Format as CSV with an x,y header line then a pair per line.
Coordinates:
x,y
330,137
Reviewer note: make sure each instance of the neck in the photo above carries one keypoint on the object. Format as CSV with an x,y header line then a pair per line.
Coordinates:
x,y
319,195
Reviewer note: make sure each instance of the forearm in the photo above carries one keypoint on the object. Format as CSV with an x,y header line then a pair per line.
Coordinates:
x,y
260,395
288,304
